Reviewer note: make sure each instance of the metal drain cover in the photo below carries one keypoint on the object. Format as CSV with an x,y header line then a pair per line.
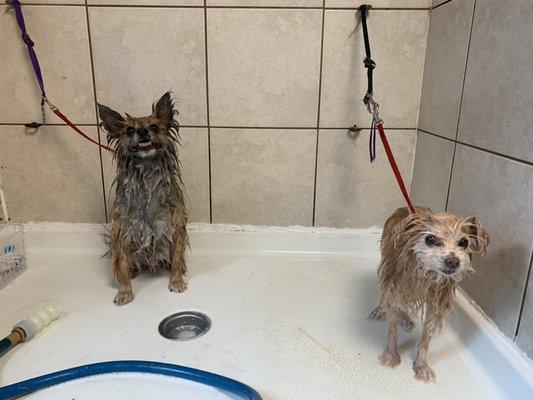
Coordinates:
x,y
185,325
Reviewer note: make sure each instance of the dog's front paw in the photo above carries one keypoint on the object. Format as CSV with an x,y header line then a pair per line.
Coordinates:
x,y
389,358
178,286
423,372
123,297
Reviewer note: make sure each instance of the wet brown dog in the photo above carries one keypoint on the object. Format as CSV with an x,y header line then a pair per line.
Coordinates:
x,y
148,216
423,257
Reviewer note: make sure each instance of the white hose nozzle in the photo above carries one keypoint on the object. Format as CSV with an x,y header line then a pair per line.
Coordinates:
x,y
37,322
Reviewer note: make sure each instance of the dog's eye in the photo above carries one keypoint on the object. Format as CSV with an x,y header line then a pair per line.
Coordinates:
x,y
431,240
154,128
463,243
130,130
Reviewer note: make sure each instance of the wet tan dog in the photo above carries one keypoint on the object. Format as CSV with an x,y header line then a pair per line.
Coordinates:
x,y
423,257
148,217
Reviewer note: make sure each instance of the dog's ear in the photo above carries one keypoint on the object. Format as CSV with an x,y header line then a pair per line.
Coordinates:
x,y
164,109
478,234
112,121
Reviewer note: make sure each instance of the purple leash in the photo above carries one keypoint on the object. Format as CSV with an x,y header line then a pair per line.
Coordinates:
x,y
33,56
372,141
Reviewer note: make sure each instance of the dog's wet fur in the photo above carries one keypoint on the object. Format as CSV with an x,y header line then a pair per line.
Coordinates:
x,y
148,217
423,257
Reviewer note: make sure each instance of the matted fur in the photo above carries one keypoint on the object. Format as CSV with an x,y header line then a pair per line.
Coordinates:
x,y
411,273
148,215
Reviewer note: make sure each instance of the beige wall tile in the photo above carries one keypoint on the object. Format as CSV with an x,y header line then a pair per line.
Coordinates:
x,y
264,67
263,176
499,192
194,159
445,67
398,46
350,191
379,3
149,2
431,171
257,3
498,92
62,44
51,175
525,334
137,60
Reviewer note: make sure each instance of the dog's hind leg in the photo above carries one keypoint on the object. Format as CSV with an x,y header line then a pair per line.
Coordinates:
x,y
122,274
406,322
390,357
178,267
377,313
404,319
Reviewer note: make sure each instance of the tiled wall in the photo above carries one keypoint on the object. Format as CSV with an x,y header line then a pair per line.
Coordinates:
x,y
474,150
266,90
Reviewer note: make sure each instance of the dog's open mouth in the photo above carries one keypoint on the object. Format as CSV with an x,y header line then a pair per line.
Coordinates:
x,y
448,271
144,146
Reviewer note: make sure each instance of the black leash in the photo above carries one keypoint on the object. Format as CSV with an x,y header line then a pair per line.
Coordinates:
x,y
368,62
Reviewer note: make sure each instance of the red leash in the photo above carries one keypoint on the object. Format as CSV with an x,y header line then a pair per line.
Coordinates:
x,y
37,70
373,107
56,111
394,167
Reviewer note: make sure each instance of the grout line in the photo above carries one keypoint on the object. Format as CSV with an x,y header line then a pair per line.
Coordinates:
x,y
47,124
324,128
242,7
440,5
96,112
437,135
207,115
460,106
341,128
495,153
523,298
318,109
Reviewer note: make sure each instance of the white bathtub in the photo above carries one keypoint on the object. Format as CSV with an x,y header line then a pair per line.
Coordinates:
x,y
288,308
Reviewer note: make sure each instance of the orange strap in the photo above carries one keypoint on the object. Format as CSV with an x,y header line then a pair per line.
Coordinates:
x,y
69,123
394,167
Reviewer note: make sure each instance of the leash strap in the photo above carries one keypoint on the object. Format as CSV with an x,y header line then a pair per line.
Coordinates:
x,y
39,76
395,168
372,142
29,43
69,123
368,62
373,108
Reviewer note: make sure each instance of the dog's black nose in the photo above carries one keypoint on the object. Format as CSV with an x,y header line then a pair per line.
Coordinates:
x,y
451,261
143,134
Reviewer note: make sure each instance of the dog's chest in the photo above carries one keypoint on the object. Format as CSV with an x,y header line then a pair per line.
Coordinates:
x,y
145,205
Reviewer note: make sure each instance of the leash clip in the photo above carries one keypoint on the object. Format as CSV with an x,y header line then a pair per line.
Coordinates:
x,y
49,104
373,108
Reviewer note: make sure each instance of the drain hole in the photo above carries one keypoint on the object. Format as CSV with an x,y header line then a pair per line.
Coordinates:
x,y
185,325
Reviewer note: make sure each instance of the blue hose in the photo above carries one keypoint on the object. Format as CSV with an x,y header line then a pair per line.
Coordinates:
x,y
24,388
5,345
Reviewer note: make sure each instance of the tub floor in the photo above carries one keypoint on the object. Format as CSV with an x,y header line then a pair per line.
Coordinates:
x,y
293,328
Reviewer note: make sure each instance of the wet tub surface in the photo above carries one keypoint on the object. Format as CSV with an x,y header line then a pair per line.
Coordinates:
x,y
291,327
